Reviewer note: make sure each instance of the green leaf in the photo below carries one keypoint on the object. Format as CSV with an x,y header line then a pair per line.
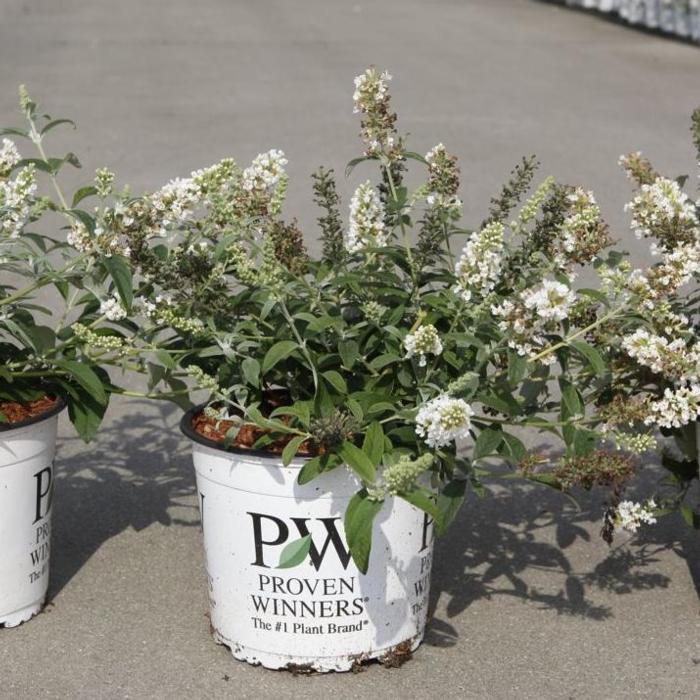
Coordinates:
x,y
359,521
349,351
55,123
13,131
415,156
84,218
513,448
84,412
355,408
82,193
336,380
571,402
384,360
279,351
295,552
690,516
356,161
120,272
594,358
449,502
373,445
265,423
358,461
250,369
517,367
310,471
86,377
487,443
291,448
422,499
300,410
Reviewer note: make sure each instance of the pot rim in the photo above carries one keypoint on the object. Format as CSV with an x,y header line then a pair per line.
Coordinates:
x,y
58,407
188,431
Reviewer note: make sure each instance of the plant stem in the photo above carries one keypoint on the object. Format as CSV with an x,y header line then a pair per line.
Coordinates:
x,y
578,334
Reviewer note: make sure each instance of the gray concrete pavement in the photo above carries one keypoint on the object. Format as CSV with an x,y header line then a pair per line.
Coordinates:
x,y
529,603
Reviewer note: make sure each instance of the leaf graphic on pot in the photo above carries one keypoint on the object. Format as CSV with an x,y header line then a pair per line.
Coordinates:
x,y
295,553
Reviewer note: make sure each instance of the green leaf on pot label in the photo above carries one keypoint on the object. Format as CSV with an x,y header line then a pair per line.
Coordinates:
x,y
295,553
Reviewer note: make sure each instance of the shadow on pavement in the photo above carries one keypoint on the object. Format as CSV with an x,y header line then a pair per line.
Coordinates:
x,y
520,543
132,476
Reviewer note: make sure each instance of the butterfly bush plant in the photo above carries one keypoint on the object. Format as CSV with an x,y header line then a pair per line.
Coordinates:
x,y
65,285
650,342
412,351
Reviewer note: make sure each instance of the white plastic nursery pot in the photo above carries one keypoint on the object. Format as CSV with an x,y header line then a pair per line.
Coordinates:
x,y
27,452
324,614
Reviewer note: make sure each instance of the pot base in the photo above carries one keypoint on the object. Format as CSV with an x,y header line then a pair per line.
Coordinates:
x,y
315,664
17,617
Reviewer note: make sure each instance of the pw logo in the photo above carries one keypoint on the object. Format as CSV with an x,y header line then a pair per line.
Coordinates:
x,y
271,531
44,493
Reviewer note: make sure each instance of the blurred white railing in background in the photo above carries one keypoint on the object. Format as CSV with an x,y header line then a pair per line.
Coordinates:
x,y
681,17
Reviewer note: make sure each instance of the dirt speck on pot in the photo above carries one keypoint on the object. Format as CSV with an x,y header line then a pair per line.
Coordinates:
x,y
397,656
300,669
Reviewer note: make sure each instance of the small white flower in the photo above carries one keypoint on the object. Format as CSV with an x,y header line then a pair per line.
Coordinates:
x,y
678,407
366,220
112,309
9,157
265,172
629,515
424,341
443,420
479,267
551,300
176,202
659,207
370,90
16,198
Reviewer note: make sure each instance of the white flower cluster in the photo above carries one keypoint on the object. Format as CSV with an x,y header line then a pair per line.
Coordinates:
x,y
424,341
630,515
265,172
443,420
112,309
16,201
371,88
479,267
443,182
9,157
536,311
660,205
367,226
582,220
678,407
673,358
175,202
163,312
656,283
106,243
550,301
